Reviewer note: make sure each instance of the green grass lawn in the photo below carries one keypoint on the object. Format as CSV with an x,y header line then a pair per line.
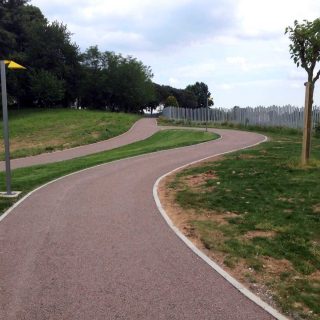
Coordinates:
x,y
26,179
260,211
37,131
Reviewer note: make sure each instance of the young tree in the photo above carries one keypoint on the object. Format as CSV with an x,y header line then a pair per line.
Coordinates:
x,y
305,52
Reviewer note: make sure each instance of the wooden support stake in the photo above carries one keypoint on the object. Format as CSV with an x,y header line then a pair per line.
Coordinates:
x,y
307,127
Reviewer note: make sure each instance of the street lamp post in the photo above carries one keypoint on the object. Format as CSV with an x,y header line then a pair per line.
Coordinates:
x,y
207,116
207,111
5,126
11,65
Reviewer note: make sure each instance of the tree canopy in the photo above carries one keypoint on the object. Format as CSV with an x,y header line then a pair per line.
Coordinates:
x,y
201,91
60,75
305,46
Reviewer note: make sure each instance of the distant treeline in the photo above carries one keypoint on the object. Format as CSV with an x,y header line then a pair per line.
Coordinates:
x,y
60,75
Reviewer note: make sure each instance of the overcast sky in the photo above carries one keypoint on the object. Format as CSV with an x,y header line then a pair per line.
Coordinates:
x,y
237,47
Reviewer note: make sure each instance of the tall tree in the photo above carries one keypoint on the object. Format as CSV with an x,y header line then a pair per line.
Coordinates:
x,y
115,82
305,52
27,37
93,81
132,86
11,26
202,94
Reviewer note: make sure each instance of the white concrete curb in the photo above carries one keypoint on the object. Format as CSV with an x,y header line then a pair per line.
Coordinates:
x,y
204,257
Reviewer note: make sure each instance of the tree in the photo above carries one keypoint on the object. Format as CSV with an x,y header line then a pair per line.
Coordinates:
x,y
10,25
132,86
47,89
27,37
202,94
305,52
116,82
171,101
93,80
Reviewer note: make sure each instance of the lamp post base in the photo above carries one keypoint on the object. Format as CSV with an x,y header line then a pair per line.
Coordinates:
x,y
14,194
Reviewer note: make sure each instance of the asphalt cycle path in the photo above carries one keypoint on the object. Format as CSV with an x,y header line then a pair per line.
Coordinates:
x,y
93,245
141,129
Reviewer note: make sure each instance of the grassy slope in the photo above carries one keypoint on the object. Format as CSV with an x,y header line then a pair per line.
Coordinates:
x,y
43,130
260,210
26,179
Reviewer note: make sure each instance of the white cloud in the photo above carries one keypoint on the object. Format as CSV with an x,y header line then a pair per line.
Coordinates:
x,y
197,71
238,61
237,47
272,16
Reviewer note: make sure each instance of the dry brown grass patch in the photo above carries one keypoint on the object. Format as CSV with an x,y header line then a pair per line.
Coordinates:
x,y
259,233
199,180
275,267
246,156
290,200
316,208
315,276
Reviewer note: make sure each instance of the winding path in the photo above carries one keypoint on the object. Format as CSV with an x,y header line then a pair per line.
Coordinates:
x,y
93,245
142,129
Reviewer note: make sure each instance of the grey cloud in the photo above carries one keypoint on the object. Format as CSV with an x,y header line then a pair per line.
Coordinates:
x,y
160,27
192,22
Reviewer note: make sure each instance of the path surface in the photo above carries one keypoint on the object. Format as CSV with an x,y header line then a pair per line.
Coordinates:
x,y
142,129
94,246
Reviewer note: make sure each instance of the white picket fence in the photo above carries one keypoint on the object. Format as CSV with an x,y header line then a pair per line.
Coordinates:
x,y
274,116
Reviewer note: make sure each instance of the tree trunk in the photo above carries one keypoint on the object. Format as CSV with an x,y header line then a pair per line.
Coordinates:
x,y
307,128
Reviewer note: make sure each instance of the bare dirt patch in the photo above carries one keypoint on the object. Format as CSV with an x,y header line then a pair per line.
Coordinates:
x,y
315,276
316,208
95,134
16,145
290,200
199,180
276,266
246,156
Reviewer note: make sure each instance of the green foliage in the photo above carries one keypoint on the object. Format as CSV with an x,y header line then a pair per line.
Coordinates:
x,y
305,46
171,101
202,93
47,89
115,82
93,79
185,98
38,45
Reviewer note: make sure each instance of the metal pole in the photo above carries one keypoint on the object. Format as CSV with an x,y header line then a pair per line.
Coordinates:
x,y
5,126
207,114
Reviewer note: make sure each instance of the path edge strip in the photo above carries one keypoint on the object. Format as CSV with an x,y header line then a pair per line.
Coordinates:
x,y
246,292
